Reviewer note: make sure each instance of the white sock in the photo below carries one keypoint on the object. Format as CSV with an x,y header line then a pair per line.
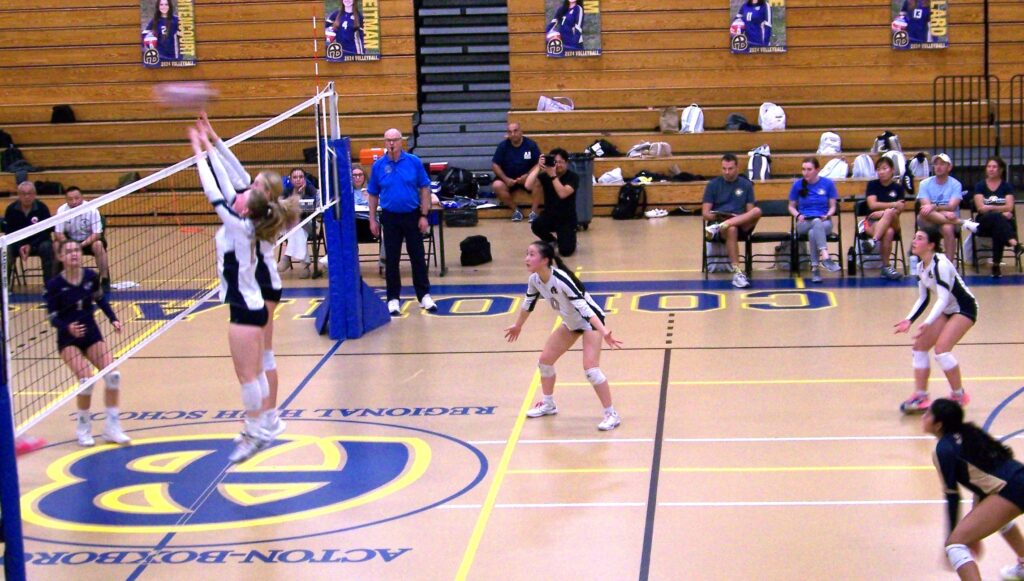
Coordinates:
x,y
549,399
610,410
112,416
268,418
958,391
83,417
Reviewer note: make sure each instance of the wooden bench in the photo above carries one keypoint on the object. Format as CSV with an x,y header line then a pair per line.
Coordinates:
x,y
783,164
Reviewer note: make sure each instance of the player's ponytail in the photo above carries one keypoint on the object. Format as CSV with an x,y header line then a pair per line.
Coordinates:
x,y
267,216
979,447
547,250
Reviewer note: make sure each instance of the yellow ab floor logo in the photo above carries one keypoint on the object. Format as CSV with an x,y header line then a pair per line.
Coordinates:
x,y
185,483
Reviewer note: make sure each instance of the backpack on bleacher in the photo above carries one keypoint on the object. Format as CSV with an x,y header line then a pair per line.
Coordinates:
x,y
457,182
691,120
887,141
659,149
919,166
668,120
632,202
759,163
830,144
604,148
898,160
771,117
835,169
864,167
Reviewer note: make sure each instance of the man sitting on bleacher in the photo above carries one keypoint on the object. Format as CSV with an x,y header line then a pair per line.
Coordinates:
x,y
22,214
85,229
940,197
512,162
729,203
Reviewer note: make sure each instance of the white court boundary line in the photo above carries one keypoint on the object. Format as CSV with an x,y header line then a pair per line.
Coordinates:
x,y
744,440
716,504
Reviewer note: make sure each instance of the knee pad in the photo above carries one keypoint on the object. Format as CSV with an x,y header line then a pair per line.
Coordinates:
x,y
595,376
113,380
264,384
546,370
88,390
946,361
251,399
269,363
920,359
958,555
1008,527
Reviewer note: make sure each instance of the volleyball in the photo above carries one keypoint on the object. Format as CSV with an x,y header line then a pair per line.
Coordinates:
x,y
184,95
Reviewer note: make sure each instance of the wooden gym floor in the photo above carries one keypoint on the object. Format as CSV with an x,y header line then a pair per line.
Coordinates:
x,y
760,435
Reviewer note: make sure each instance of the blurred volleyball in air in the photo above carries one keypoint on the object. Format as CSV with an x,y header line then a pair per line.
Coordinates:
x,y
184,95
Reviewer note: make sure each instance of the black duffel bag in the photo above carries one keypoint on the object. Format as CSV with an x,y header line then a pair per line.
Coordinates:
x,y
464,216
475,250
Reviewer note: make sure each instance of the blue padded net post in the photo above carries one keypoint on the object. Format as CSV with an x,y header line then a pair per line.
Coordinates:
x,y
353,309
10,497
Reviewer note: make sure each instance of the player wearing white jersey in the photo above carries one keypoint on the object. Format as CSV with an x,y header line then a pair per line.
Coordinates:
x,y
552,280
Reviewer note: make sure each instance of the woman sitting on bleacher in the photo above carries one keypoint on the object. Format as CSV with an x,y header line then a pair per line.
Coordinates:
x,y
885,201
993,200
812,201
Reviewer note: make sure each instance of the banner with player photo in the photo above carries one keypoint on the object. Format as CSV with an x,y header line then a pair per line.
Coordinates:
x,y
168,33
573,28
757,26
920,24
352,30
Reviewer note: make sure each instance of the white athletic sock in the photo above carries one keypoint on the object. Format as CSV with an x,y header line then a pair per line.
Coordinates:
x,y
83,416
958,391
113,416
549,399
609,410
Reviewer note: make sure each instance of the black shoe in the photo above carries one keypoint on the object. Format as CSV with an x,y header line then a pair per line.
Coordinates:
x,y
997,271
1018,250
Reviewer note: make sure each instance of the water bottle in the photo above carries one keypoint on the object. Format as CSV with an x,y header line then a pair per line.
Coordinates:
x,y
851,262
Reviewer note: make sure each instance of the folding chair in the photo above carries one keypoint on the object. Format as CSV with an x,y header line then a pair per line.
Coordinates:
x,y
769,209
835,237
861,212
981,252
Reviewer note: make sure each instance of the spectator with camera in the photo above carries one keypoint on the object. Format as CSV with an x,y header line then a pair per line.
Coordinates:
x,y
557,223
294,248
511,163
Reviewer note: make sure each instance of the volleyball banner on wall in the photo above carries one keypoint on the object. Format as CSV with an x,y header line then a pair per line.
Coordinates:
x,y
168,33
573,28
352,30
920,24
757,26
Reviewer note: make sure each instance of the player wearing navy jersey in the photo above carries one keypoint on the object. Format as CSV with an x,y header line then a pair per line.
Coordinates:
x,y
550,279
965,455
993,201
885,201
231,176
346,27
163,31
247,217
954,313
917,14
756,19
71,301
568,21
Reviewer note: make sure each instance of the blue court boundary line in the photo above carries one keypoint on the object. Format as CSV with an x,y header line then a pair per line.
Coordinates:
x,y
302,384
998,410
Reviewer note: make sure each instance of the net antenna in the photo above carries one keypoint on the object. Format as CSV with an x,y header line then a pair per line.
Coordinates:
x,y
158,232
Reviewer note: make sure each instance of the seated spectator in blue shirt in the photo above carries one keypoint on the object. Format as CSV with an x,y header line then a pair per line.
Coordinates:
x,y
22,214
729,203
812,201
511,163
940,197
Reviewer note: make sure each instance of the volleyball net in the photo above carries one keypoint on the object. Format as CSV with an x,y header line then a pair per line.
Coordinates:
x,y
158,237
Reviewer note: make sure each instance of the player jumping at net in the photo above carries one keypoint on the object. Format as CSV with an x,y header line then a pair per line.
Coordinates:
x,y
967,456
247,217
71,300
551,279
954,313
231,176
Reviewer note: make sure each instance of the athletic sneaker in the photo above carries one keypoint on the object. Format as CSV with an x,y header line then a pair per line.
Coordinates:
x,y
517,216
428,303
84,433
970,225
113,434
542,409
830,265
610,422
890,273
963,399
274,428
815,275
711,232
1013,572
249,445
739,280
533,216
394,307
918,403
869,245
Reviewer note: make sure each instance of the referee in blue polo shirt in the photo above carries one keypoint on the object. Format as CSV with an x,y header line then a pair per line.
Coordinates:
x,y
400,186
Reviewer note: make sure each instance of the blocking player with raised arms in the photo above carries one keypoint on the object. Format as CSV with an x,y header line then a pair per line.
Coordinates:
x,y
71,300
231,176
245,217
966,455
755,19
550,279
346,26
954,313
